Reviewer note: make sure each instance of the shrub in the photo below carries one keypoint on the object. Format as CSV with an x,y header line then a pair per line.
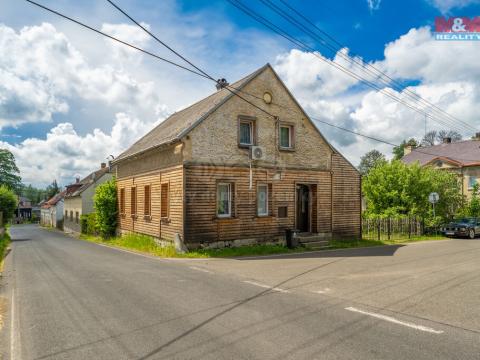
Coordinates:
x,y
88,224
8,202
105,204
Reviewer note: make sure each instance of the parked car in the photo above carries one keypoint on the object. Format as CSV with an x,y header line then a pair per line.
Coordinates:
x,y
469,227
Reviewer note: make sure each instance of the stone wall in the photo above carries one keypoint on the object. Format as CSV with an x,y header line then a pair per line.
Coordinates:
x,y
215,140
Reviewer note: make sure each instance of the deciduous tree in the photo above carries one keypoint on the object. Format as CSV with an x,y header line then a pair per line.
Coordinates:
x,y
9,173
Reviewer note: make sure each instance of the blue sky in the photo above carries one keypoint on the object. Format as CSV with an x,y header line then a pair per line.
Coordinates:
x,y
63,85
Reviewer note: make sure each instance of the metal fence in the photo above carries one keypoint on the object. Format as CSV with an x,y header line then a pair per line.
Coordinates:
x,y
392,228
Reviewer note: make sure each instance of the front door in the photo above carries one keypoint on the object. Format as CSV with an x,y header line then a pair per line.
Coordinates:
x,y
303,207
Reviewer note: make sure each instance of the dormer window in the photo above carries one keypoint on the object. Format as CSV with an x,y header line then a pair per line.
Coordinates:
x,y
246,132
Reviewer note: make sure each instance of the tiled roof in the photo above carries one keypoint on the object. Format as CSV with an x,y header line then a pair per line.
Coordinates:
x,y
464,153
78,188
54,200
177,125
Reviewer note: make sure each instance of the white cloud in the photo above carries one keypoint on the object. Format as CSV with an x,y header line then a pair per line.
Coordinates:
x,y
417,55
41,73
446,5
373,4
311,77
64,153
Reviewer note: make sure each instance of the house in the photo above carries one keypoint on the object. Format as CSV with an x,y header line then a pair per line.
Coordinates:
x,y
51,213
462,157
23,210
79,197
222,172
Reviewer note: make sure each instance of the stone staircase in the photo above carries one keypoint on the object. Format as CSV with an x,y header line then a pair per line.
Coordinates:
x,y
313,241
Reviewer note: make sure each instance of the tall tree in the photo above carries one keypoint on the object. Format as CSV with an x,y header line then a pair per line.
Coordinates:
x,y
52,189
398,150
435,137
9,173
370,160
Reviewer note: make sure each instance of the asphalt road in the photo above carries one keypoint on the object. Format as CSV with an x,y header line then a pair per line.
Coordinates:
x,y
69,299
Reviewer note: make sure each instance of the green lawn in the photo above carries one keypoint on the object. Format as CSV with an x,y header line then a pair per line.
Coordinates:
x,y
146,244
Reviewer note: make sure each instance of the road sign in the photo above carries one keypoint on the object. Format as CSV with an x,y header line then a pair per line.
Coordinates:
x,y
433,197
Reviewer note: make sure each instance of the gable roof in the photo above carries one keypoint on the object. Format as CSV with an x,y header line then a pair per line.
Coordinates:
x,y
54,200
461,153
77,189
181,122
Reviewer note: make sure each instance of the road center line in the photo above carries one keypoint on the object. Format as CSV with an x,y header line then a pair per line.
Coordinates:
x,y
200,269
266,286
395,321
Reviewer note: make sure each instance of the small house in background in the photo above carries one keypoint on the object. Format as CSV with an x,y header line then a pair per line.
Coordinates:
x,y
461,157
51,213
224,172
24,210
79,197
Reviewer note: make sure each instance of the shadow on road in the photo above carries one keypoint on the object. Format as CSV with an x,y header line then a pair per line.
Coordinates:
x,y
388,250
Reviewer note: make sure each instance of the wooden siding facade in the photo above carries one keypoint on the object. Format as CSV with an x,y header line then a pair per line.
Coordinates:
x,y
150,221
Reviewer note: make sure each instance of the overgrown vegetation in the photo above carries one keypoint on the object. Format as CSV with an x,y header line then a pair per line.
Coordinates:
x,y
4,241
8,202
105,204
395,189
88,224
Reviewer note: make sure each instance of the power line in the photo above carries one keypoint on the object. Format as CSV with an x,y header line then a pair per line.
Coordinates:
x,y
160,41
381,73
227,87
114,38
259,18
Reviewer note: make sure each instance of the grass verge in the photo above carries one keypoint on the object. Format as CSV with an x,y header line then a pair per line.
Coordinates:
x,y
146,244
4,241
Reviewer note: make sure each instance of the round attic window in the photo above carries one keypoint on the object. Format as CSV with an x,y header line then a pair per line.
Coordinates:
x,y
267,97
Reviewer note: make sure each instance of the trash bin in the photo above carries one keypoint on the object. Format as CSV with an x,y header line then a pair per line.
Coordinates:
x,y
291,238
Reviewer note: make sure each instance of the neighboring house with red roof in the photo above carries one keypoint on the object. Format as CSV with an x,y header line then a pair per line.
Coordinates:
x,y
51,213
462,157
79,197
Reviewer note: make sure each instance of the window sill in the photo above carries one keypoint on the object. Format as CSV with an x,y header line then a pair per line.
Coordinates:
x,y
263,216
147,217
165,220
286,149
224,218
245,146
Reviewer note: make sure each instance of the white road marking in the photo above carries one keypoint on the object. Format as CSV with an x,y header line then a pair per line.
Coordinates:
x,y
324,291
200,269
266,286
395,321
12,329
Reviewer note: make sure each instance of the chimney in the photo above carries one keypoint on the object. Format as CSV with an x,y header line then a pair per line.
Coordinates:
x,y
447,140
77,180
103,165
408,149
476,136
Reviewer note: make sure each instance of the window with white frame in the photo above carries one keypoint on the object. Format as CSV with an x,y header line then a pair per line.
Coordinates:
x,y
246,132
224,200
286,136
262,200
472,180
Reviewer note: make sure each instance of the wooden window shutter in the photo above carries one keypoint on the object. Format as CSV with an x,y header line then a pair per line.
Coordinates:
x,y
122,201
133,201
147,201
164,205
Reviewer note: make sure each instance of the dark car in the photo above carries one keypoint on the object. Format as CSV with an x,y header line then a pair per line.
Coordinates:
x,y
469,227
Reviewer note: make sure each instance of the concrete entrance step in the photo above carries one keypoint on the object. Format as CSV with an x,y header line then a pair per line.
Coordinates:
x,y
316,245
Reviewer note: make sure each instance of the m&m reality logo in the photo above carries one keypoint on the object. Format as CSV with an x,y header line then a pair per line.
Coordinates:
x,y
457,28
